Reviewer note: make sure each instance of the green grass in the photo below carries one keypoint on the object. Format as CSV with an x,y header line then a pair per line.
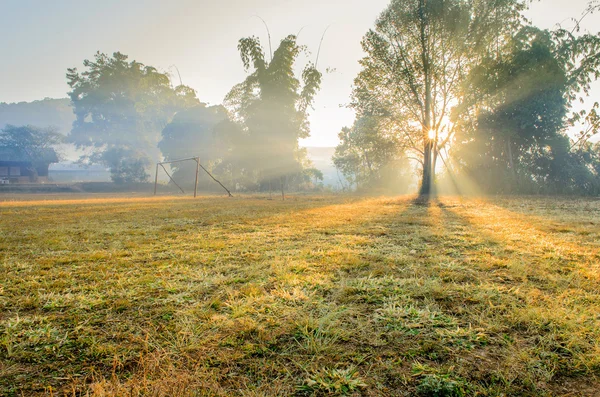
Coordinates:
x,y
311,296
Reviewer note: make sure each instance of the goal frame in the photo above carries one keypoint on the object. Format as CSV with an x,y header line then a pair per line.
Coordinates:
x,y
198,166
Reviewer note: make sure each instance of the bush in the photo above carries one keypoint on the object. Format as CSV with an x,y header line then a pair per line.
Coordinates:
x,y
126,165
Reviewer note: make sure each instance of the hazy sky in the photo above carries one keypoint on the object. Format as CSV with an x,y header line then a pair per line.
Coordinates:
x,y
40,39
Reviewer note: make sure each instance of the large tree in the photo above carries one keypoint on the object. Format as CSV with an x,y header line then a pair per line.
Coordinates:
x,y
521,109
418,56
121,108
271,107
516,140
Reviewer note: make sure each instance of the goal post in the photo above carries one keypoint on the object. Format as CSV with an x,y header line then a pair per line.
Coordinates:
x,y
198,166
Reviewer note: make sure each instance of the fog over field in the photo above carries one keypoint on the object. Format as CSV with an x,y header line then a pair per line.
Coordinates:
x,y
316,198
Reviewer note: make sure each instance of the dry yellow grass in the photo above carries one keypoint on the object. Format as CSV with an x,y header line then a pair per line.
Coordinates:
x,y
312,296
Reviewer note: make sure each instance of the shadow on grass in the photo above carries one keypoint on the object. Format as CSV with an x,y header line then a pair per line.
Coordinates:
x,y
266,298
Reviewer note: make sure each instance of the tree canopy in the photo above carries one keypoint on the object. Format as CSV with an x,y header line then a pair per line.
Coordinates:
x,y
193,133
468,83
417,57
33,143
518,142
121,108
476,85
370,155
271,107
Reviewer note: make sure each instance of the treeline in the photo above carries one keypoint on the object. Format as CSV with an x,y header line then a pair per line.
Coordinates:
x,y
55,113
463,95
470,89
128,115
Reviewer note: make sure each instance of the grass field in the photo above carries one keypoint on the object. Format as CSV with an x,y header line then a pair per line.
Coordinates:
x,y
311,296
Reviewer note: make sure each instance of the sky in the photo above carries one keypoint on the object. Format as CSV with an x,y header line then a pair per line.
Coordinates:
x,y
40,39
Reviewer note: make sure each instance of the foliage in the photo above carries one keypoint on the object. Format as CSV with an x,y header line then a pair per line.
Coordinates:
x,y
518,142
121,107
194,133
418,56
31,144
519,130
590,125
580,56
29,141
313,174
126,165
370,155
271,107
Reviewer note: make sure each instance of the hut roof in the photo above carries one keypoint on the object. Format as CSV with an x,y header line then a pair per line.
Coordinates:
x,y
45,155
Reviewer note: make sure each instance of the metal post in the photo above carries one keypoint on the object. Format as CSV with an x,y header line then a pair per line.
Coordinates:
x,y
197,169
156,179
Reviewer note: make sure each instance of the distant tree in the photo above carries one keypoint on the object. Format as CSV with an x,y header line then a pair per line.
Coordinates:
x,y
54,113
314,175
582,171
271,107
126,164
309,178
194,133
417,59
29,140
371,154
121,108
37,144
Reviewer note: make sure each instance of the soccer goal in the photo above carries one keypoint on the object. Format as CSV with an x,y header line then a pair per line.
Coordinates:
x,y
198,167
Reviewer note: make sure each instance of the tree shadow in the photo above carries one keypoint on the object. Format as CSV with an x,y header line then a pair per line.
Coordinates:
x,y
376,283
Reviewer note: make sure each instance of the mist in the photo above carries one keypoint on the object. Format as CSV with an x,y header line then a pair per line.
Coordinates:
x,y
275,198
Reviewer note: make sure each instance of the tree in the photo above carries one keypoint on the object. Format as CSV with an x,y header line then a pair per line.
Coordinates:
x,y
519,130
120,109
313,175
56,113
194,133
418,56
271,107
370,154
521,103
35,144
126,164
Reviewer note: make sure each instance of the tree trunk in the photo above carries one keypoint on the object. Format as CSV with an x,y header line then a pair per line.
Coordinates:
x,y
428,171
426,182
510,156
435,154
368,162
511,162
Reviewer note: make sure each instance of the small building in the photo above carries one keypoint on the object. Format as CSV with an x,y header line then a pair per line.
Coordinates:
x,y
69,172
17,166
